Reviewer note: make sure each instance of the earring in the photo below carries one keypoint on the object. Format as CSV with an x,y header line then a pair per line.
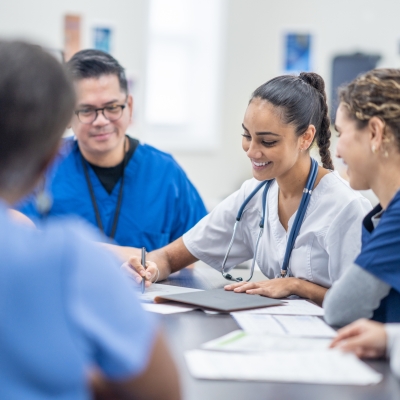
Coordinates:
x,y
386,154
373,149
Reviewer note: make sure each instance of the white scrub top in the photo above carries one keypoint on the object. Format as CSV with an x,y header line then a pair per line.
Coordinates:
x,y
329,239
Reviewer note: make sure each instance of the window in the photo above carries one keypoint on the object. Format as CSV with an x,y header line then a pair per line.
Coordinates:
x,y
182,82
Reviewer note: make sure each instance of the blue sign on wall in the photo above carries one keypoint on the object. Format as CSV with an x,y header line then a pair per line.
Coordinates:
x,y
297,53
102,39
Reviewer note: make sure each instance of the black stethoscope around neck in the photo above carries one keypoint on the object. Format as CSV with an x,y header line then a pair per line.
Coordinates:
x,y
93,197
301,212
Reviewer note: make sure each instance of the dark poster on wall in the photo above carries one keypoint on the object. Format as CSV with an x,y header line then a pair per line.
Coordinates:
x,y
344,69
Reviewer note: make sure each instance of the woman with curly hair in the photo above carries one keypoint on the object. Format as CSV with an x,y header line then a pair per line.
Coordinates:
x,y
368,123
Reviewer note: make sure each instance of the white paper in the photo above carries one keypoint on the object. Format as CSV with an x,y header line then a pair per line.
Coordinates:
x,y
290,307
305,325
158,289
255,323
166,308
293,325
322,367
250,342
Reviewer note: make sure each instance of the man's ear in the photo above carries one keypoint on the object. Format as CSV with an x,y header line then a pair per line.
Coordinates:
x,y
130,106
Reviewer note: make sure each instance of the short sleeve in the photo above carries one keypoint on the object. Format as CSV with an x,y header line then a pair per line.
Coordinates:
x,y
380,254
190,208
343,238
115,332
209,239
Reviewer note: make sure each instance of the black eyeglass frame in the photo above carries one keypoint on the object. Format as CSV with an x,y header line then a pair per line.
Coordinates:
x,y
96,110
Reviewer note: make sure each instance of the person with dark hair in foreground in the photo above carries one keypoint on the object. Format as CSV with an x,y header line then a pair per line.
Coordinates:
x,y
132,192
70,321
304,224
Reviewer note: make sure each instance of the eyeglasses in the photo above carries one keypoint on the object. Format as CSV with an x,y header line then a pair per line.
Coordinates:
x,y
111,113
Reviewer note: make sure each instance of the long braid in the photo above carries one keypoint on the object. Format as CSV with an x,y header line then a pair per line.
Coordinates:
x,y
323,134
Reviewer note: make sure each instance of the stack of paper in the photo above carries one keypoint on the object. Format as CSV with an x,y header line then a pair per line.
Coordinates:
x,y
294,325
166,308
327,367
291,307
256,343
158,289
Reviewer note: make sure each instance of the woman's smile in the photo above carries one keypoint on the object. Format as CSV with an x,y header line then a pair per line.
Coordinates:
x,y
259,165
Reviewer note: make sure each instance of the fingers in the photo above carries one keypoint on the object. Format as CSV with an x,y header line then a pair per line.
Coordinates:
x,y
362,344
345,333
137,272
270,289
354,329
354,344
360,347
135,263
367,339
152,273
233,286
261,291
241,287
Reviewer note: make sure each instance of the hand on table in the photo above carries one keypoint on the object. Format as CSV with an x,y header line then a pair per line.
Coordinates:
x,y
275,288
135,269
367,339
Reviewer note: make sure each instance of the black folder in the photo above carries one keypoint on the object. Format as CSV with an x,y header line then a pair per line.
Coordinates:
x,y
220,300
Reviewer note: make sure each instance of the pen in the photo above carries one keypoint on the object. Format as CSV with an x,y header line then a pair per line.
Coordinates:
x,y
144,266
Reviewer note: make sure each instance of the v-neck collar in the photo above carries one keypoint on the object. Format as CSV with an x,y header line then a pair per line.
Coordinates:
x,y
273,216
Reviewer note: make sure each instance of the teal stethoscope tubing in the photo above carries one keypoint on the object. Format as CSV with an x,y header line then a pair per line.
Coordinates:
x,y
301,212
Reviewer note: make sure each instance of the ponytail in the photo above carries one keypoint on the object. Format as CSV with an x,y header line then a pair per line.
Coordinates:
x,y
323,134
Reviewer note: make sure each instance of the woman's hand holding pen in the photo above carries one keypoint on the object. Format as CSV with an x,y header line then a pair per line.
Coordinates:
x,y
367,339
137,271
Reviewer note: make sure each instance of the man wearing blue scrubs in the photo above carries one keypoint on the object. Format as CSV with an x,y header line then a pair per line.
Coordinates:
x,y
70,321
134,193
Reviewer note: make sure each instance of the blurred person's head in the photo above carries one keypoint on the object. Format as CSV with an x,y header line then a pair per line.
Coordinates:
x,y
100,83
368,123
285,116
36,103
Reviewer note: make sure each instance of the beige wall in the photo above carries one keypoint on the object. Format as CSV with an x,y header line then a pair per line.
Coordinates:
x,y
252,55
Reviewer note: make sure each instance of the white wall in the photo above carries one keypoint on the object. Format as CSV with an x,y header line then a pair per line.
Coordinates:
x,y
42,21
252,55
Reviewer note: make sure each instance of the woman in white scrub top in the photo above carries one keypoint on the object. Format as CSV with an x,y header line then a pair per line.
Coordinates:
x,y
285,116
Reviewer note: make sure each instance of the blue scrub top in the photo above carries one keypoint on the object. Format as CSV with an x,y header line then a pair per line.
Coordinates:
x,y
380,256
159,202
65,307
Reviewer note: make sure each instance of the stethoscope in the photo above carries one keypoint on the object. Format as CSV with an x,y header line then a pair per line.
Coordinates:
x,y
301,212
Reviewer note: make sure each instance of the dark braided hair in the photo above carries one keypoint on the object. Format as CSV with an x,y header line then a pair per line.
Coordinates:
x,y
302,100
